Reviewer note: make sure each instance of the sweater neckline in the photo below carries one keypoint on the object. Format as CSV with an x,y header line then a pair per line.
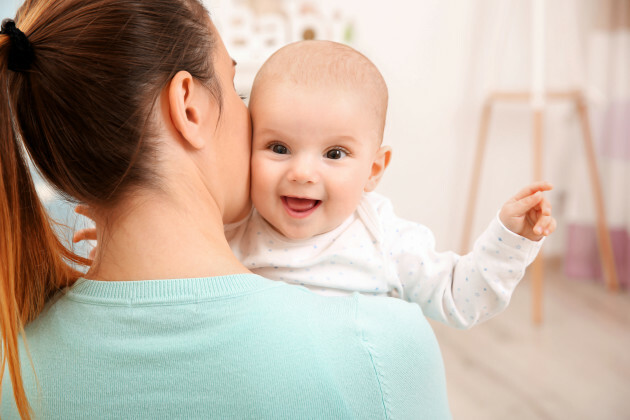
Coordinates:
x,y
166,291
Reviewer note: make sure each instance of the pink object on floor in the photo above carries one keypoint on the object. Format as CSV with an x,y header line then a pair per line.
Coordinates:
x,y
582,258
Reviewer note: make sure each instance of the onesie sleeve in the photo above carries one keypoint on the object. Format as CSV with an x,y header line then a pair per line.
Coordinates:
x,y
405,356
460,291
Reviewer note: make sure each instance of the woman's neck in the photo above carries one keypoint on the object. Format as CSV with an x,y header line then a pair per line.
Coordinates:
x,y
159,238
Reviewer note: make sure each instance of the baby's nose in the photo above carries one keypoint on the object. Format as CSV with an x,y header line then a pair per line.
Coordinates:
x,y
304,171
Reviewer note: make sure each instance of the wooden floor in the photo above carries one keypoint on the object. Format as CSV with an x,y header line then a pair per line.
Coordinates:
x,y
576,365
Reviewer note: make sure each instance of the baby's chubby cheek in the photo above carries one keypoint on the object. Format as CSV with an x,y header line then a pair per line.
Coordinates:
x,y
260,187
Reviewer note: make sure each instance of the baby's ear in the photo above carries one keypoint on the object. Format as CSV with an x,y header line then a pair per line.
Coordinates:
x,y
380,163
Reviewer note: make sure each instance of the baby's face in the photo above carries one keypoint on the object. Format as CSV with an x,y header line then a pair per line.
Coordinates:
x,y
312,156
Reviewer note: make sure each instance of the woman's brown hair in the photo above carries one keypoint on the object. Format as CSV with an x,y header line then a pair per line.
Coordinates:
x,y
81,111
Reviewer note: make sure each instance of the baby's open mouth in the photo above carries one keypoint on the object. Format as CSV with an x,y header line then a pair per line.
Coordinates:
x,y
300,207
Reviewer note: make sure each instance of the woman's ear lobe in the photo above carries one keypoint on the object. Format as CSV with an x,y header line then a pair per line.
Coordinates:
x,y
186,108
380,163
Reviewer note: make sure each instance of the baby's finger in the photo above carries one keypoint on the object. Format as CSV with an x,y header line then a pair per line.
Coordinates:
x,y
524,205
541,224
551,227
545,207
84,234
533,188
84,210
545,225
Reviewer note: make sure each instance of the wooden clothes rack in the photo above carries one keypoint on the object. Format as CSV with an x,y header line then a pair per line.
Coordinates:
x,y
603,236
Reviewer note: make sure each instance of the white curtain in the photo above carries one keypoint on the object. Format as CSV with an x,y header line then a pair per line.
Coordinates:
x,y
608,79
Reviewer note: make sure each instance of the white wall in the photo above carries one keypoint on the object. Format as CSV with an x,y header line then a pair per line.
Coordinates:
x,y
440,60
417,46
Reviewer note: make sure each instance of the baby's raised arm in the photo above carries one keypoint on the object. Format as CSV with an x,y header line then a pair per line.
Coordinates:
x,y
463,291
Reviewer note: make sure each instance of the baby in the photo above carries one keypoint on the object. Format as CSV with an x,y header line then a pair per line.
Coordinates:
x,y
318,111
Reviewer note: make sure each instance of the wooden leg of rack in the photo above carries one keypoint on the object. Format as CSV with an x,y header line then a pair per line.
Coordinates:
x,y
474,180
603,236
538,264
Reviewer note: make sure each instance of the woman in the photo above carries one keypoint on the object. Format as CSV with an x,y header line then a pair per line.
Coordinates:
x,y
129,106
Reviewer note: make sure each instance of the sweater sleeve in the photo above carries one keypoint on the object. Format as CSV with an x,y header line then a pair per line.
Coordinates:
x,y
406,358
460,291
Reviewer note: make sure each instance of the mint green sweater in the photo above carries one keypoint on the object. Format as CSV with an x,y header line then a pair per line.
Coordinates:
x,y
232,347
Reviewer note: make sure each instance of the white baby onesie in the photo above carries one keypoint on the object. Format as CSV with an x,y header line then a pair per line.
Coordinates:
x,y
375,252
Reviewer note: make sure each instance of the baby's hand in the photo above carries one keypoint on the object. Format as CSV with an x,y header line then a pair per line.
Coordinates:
x,y
528,213
85,234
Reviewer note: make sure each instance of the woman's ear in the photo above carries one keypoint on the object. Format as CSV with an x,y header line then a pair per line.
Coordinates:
x,y
188,106
380,163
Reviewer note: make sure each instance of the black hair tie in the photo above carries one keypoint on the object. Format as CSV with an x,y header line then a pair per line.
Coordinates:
x,y
21,52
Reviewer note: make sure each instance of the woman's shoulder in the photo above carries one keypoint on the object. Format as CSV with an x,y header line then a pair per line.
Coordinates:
x,y
406,357
266,347
388,341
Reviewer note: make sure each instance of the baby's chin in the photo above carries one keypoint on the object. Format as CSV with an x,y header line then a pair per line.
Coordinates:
x,y
305,231
297,234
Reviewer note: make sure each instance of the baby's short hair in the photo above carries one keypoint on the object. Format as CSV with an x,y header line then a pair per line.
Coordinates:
x,y
327,64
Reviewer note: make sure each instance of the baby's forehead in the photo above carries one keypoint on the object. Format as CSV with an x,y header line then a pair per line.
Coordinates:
x,y
326,66
338,117
322,63
328,88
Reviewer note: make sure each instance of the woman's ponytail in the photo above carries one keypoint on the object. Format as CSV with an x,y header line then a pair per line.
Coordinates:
x,y
33,262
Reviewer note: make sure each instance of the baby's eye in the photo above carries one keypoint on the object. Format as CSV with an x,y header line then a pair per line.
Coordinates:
x,y
279,149
335,154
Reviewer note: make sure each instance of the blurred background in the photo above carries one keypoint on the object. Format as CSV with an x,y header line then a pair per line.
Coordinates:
x,y
442,62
